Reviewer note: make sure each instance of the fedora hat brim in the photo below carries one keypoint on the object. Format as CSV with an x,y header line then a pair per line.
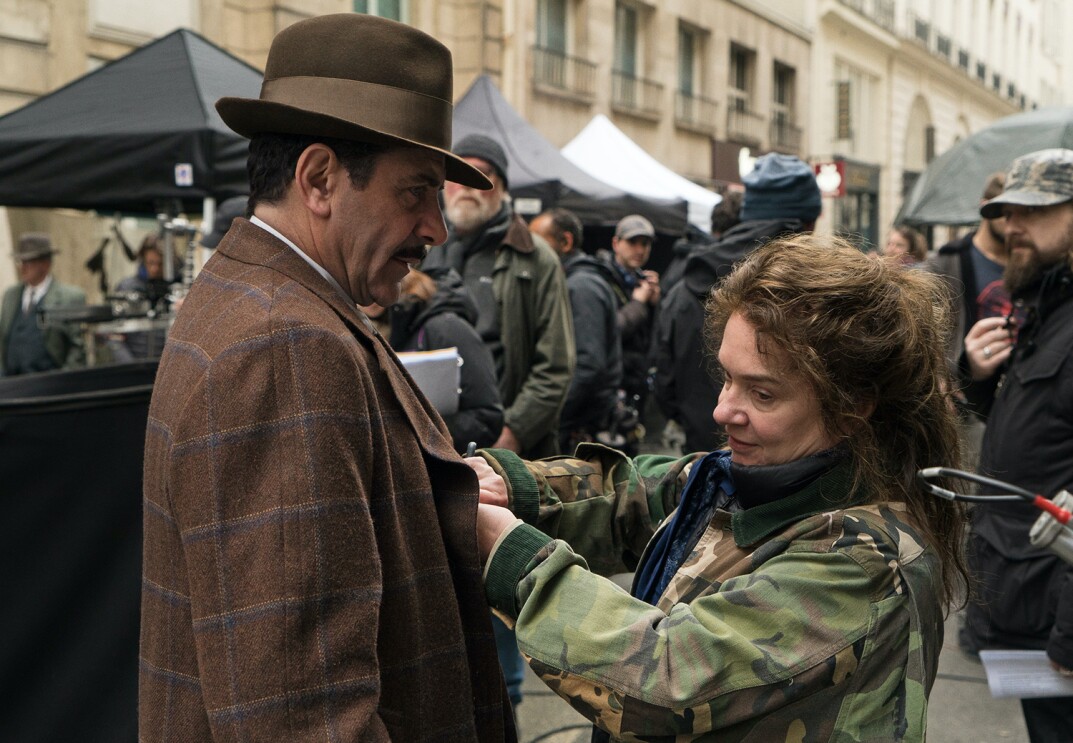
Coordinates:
x,y
248,117
34,255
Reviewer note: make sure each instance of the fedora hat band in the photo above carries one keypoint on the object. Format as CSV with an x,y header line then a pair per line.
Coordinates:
x,y
400,113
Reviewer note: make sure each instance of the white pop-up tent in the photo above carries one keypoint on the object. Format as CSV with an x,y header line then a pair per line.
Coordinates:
x,y
605,152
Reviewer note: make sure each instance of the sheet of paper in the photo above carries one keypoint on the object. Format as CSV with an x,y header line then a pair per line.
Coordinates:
x,y
1024,674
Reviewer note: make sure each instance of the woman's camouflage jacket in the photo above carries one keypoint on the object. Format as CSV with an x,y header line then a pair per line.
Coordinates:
x,y
791,621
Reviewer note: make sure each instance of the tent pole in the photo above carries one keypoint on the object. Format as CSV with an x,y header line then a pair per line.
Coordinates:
x,y
208,217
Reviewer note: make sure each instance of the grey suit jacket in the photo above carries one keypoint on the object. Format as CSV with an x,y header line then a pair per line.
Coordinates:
x,y
63,342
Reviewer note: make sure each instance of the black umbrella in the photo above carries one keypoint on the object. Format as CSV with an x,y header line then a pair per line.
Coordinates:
x,y
948,191
140,131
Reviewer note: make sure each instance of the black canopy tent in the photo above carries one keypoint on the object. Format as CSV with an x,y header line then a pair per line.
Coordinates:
x,y
538,170
137,133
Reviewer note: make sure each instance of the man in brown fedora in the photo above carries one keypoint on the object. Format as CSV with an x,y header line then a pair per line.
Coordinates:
x,y
311,569
26,345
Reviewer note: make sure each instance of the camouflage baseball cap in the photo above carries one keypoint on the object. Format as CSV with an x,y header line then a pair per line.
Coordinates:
x,y
1040,178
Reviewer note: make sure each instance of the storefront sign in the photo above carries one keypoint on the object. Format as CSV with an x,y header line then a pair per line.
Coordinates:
x,y
831,178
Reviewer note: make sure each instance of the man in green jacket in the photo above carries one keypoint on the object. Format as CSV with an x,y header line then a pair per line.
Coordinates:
x,y
522,302
26,346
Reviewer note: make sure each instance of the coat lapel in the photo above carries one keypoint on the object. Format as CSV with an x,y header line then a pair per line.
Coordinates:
x,y
248,243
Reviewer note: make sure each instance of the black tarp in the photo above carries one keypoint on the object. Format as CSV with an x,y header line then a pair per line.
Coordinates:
x,y
538,170
111,140
71,447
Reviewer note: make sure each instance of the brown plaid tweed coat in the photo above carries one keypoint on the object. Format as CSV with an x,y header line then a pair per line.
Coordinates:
x,y
311,568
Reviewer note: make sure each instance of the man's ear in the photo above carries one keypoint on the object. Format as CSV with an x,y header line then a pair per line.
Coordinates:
x,y
316,177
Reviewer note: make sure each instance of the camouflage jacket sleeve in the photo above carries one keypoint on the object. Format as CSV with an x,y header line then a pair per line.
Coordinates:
x,y
810,639
604,504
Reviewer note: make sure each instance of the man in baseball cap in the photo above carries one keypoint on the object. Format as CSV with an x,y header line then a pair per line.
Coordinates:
x,y
637,295
1043,178
310,565
1027,597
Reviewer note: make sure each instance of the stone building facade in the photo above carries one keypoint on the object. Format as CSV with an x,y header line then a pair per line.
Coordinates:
x,y
879,86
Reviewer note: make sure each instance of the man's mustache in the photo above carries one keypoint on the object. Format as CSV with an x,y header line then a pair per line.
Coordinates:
x,y
412,252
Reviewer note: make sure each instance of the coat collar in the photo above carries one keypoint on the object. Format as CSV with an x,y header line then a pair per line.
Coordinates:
x,y
519,238
252,245
828,492
248,243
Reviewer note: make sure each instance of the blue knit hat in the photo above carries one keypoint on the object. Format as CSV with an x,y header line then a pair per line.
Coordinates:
x,y
781,187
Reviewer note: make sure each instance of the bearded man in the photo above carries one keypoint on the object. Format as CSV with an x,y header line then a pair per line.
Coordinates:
x,y
523,306
1024,382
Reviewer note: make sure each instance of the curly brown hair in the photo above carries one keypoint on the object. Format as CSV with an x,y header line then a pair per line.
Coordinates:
x,y
868,337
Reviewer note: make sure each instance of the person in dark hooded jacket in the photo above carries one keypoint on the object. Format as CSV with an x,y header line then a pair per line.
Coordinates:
x,y
725,215
434,311
593,392
781,198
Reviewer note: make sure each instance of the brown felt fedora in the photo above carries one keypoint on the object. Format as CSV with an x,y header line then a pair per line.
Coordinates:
x,y
359,77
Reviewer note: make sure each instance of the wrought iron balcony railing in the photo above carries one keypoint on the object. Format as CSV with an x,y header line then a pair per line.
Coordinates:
x,y
785,136
635,94
743,124
563,72
695,112
881,12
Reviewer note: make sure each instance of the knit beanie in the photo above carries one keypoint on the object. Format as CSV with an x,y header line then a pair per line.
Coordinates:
x,y
487,149
780,187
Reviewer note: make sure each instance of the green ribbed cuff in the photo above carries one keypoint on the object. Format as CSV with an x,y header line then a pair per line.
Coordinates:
x,y
525,498
508,566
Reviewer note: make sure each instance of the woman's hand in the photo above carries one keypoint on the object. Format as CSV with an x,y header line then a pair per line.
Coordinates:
x,y
493,488
491,522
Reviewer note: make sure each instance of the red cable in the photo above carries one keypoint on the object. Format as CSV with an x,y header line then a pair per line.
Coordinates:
x,y
1044,504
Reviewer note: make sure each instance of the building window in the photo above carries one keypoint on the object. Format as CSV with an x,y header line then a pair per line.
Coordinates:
x,y
393,9
687,60
630,91
785,135
742,64
691,109
854,94
556,66
551,25
626,39
743,124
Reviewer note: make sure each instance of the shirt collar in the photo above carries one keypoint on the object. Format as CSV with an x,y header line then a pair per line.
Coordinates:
x,y
316,266
36,292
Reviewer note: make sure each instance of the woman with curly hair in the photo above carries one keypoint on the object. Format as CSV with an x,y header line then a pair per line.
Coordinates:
x,y
790,586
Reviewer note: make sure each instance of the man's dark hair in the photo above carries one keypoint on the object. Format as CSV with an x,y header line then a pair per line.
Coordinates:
x,y
273,158
996,184
564,221
725,213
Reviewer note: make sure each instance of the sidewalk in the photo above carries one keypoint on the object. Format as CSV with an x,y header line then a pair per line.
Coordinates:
x,y
960,710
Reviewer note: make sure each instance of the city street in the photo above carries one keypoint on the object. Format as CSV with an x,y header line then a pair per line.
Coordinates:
x,y
961,709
